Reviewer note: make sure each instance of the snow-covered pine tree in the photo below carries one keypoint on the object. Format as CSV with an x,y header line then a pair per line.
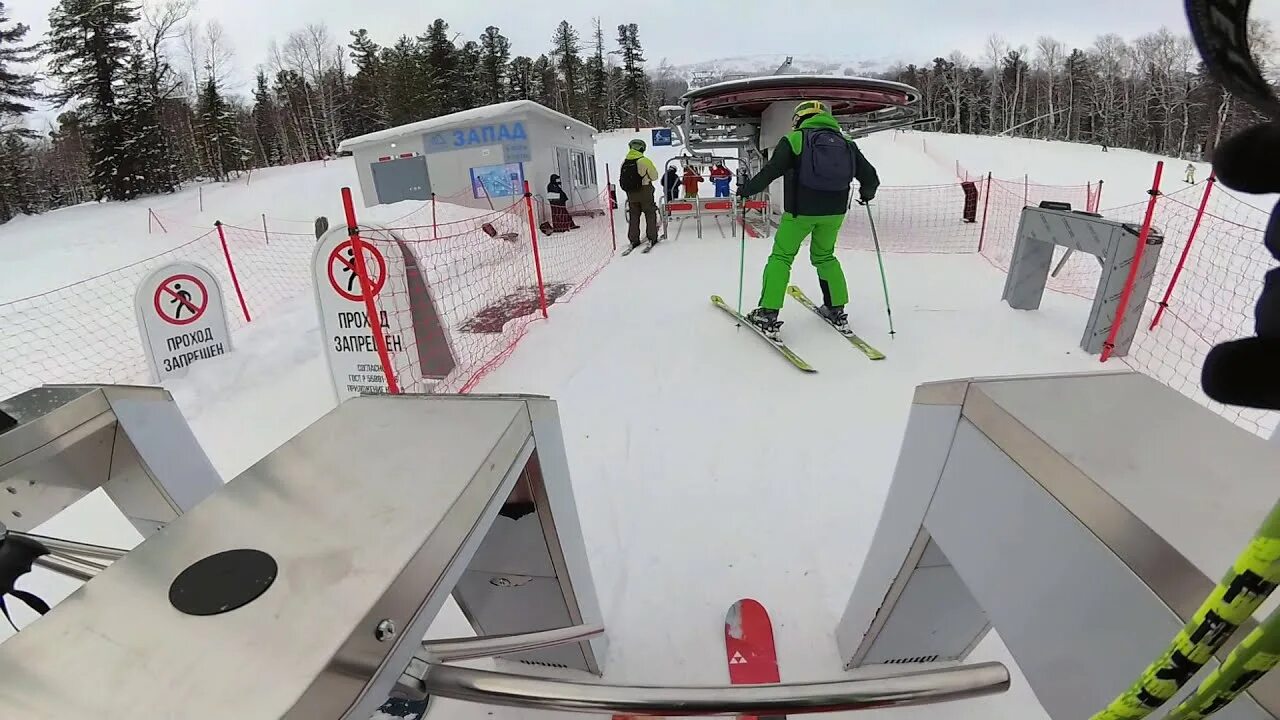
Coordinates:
x,y
544,82
404,81
71,162
16,87
597,79
616,113
88,48
440,69
266,121
18,192
635,85
146,167
468,87
368,111
566,53
227,151
520,79
495,53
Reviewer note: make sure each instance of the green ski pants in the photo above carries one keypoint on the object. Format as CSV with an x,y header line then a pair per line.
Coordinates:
x,y
792,231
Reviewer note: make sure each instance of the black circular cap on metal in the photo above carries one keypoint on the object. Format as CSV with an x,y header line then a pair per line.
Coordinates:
x,y
223,582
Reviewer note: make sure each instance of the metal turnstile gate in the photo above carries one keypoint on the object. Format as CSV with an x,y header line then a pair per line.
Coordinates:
x,y
303,588
1115,244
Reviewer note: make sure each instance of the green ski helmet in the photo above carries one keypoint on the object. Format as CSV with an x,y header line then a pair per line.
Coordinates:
x,y
808,109
638,145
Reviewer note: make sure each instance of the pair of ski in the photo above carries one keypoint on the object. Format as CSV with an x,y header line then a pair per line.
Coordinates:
x,y
748,650
645,248
781,347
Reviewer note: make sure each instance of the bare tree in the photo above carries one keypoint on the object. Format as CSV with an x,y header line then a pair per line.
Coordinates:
x,y
1051,55
162,23
996,49
307,52
218,53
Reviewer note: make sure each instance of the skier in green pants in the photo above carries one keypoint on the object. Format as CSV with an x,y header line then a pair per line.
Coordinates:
x,y
818,165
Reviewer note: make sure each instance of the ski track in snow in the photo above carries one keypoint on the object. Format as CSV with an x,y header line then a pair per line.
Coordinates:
x,y
706,468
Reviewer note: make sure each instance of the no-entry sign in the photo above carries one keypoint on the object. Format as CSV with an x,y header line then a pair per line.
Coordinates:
x,y
342,270
181,319
181,299
407,320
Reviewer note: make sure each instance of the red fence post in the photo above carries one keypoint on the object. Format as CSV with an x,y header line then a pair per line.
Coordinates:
x,y
1088,197
435,228
1110,345
231,268
982,235
608,199
366,291
1026,190
1097,201
1186,250
537,259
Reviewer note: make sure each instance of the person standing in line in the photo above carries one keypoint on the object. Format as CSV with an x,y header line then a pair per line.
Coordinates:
x,y
671,184
558,199
636,178
1191,174
722,178
692,182
818,165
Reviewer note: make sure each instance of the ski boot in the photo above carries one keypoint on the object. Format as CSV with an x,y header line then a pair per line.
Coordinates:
x,y
768,323
836,316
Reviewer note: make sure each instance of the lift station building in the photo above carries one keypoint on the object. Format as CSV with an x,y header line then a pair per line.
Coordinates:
x,y
477,158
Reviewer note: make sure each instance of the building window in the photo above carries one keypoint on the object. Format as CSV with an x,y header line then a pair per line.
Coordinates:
x,y
579,164
591,167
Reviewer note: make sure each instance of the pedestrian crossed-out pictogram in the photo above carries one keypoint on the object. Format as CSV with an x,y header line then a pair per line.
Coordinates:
x,y
181,299
342,270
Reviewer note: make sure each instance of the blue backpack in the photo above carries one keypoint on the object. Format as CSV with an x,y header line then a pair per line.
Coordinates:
x,y
826,162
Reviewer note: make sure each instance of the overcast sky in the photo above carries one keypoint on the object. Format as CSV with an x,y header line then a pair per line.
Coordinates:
x,y
692,30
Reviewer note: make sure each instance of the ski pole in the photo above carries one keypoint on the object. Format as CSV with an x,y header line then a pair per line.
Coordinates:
x,y
742,256
875,238
1247,584
1253,657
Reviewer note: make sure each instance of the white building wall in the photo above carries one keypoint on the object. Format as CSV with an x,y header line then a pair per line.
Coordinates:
x,y
450,170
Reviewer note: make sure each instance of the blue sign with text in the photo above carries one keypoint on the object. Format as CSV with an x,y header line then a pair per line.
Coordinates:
x,y
511,136
661,137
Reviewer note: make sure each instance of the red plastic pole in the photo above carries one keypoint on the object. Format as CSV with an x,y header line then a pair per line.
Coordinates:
x,y
231,268
435,228
982,236
608,200
366,291
1110,345
537,259
1186,251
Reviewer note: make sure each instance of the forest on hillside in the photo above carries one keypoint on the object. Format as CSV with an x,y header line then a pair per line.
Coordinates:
x,y
144,102
1152,93
143,87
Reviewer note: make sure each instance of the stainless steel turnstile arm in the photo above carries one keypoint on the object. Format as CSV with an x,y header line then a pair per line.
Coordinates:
x,y
918,688
442,651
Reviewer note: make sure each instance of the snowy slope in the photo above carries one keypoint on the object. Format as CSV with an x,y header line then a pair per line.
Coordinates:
x,y
1127,174
706,468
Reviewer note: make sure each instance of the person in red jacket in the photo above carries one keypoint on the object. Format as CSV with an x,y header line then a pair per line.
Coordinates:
x,y
722,178
692,180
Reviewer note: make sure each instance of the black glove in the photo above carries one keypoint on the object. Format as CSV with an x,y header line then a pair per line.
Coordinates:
x,y
1247,372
